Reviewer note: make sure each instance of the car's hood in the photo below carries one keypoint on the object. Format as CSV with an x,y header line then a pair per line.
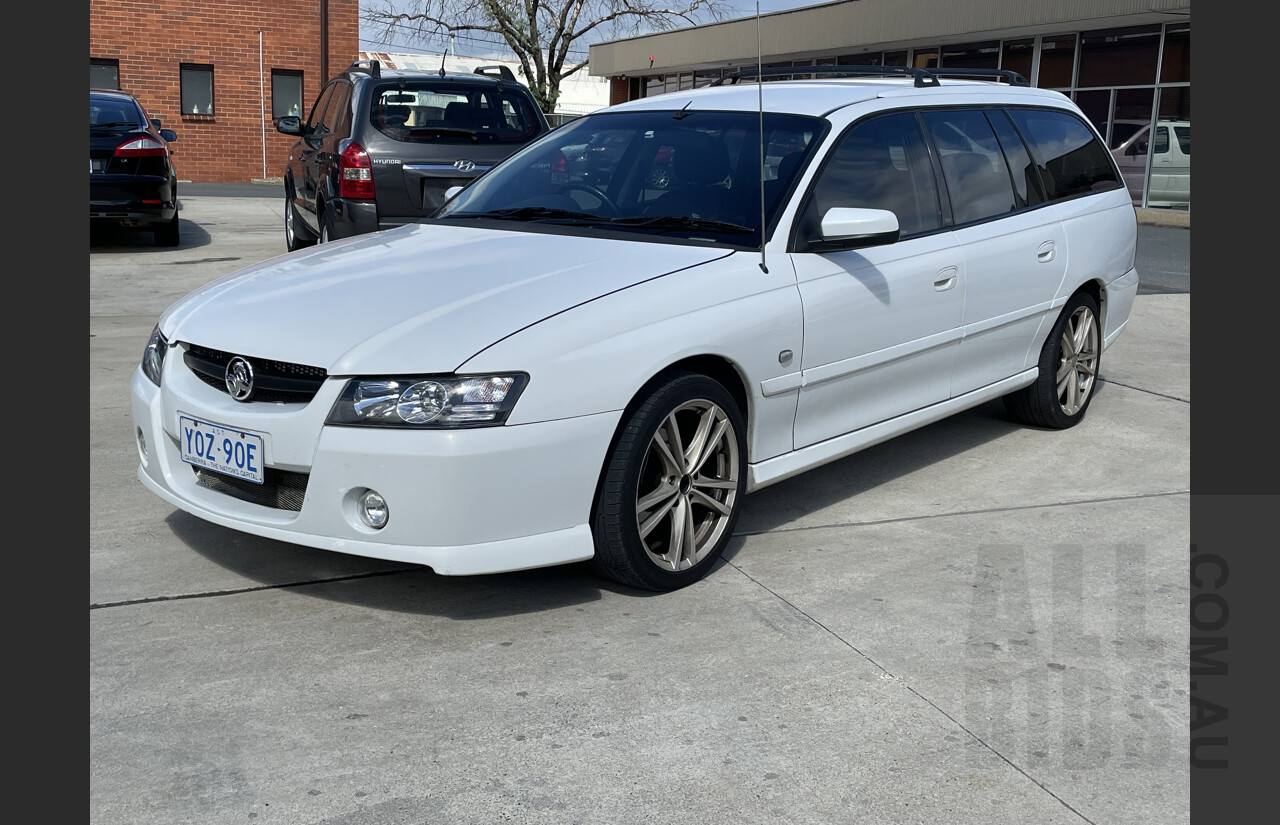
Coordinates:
x,y
424,297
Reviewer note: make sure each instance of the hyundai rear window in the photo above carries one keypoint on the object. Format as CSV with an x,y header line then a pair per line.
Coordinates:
x,y
453,113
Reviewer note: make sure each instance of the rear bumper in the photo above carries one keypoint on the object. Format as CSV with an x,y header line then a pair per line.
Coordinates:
x,y
132,200
350,218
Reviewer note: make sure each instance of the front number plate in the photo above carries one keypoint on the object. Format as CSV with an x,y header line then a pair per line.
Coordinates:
x,y
221,449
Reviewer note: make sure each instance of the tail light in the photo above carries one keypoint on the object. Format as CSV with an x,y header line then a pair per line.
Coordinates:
x,y
559,168
355,173
143,147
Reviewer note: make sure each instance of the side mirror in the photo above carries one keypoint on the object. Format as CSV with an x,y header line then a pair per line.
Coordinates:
x,y
853,228
451,191
289,125
155,122
168,134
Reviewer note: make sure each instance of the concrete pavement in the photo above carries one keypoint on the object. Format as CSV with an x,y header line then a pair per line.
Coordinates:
x,y
974,623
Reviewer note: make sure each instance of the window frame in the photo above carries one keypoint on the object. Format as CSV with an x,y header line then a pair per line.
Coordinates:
x,y
287,73
196,69
105,63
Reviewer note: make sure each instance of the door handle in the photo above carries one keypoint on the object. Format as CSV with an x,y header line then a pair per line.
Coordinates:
x,y
1047,252
946,279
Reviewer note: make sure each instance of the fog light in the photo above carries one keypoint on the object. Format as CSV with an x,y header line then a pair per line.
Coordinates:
x,y
142,445
373,510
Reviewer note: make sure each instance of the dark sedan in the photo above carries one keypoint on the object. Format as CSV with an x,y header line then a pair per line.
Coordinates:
x,y
132,180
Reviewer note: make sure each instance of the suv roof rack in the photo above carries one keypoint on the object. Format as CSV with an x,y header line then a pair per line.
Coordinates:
x,y
923,77
370,67
502,72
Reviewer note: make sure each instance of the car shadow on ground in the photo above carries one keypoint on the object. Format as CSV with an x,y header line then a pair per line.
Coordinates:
x,y
115,238
408,588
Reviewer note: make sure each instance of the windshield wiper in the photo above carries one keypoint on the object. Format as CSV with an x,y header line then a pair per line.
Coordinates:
x,y
533,213
114,124
679,222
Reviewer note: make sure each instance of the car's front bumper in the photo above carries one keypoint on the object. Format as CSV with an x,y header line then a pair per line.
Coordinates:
x,y
460,501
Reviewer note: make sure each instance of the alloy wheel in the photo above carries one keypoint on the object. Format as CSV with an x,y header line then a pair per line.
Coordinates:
x,y
1078,360
688,485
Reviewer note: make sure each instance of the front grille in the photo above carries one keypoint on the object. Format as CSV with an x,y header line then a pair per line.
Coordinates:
x,y
274,382
280,489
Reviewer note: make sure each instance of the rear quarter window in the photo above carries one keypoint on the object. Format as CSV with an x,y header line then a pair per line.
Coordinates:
x,y
1070,159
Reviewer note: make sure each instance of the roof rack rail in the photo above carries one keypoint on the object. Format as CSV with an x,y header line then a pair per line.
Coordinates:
x,y
370,67
503,72
923,77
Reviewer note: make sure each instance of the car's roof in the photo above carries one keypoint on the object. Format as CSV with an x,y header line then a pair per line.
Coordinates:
x,y
111,93
423,74
821,96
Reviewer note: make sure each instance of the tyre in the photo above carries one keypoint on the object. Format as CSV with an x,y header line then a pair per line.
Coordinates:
x,y
672,486
326,229
1069,367
296,234
167,233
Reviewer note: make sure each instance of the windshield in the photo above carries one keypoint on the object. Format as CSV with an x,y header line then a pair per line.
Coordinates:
x,y
693,175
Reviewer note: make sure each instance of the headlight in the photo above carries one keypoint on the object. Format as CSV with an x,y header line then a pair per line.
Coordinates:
x,y
428,401
153,356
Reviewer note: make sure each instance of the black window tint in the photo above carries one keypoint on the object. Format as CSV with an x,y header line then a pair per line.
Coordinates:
x,y
336,107
316,117
1026,183
1072,160
1183,133
881,163
1162,141
972,164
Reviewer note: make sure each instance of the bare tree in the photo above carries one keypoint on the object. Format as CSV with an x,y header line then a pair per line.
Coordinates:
x,y
540,32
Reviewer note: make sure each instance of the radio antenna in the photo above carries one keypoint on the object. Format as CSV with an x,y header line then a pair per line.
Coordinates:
x,y
760,108
443,55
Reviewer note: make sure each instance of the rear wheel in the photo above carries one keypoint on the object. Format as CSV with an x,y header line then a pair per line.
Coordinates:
x,y
672,486
1069,366
296,234
167,233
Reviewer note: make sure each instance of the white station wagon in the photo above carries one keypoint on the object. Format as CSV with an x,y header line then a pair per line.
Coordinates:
x,y
551,370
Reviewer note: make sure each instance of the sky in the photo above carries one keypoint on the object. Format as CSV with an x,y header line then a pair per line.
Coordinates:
x,y
486,45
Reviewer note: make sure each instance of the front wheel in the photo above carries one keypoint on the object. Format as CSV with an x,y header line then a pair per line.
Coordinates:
x,y
1069,366
672,486
296,235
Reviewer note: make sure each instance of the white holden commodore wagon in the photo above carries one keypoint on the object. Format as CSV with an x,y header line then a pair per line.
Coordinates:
x,y
552,369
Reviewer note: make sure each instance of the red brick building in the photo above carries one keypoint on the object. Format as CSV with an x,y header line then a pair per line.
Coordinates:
x,y
218,72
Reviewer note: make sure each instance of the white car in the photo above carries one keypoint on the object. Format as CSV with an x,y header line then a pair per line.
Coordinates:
x,y
549,371
1170,184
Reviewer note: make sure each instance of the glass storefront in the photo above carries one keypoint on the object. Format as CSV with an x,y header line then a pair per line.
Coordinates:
x,y
1133,83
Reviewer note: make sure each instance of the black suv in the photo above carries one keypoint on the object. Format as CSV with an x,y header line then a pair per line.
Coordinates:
x,y
382,146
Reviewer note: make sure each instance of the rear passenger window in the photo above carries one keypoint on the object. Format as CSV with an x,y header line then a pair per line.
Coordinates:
x,y
1026,181
972,164
881,163
1071,160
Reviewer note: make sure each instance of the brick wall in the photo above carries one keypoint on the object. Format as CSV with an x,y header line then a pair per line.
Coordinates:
x,y
151,38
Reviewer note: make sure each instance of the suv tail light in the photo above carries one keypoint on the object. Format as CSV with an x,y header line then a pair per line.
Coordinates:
x,y
143,147
355,173
559,168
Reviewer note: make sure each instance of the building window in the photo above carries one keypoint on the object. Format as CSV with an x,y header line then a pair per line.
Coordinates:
x,y
104,74
197,89
286,93
1057,61
1018,56
1119,57
972,56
